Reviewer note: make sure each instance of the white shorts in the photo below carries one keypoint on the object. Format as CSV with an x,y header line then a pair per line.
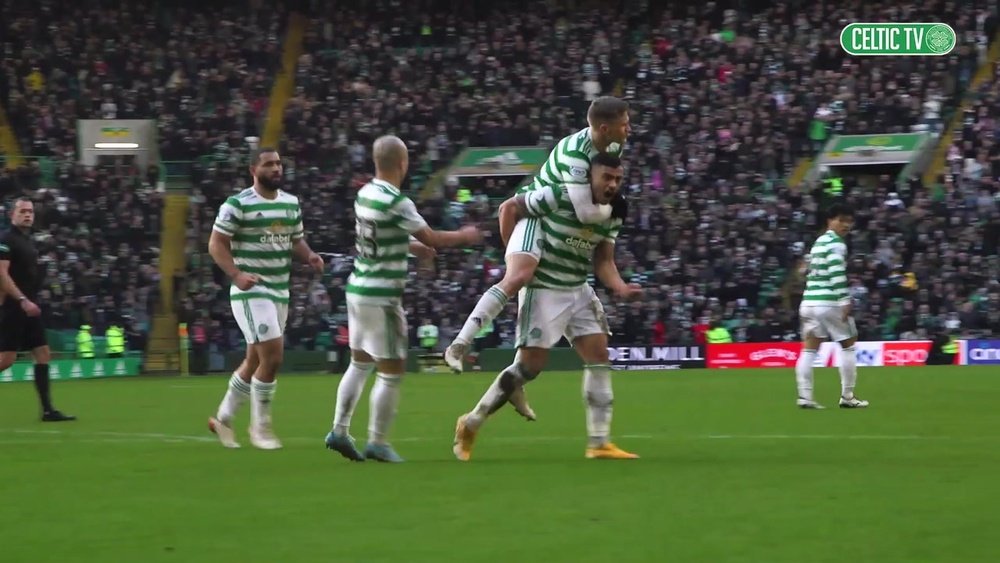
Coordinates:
x,y
824,321
260,319
544,316
378,330
526,238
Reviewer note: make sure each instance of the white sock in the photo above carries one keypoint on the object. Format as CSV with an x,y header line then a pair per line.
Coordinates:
x,y
599,399
348,394
804,373
237,394
489,306
260,404
384,401
495,396
848,372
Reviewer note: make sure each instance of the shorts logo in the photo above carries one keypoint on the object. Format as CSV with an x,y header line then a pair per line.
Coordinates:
x,y
578,172
263,328
535,333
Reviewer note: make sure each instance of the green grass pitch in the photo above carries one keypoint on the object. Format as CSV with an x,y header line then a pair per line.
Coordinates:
x,y
731,471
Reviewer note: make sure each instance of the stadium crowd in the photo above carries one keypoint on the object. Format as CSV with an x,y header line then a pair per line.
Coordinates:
x,y
204,74
724,102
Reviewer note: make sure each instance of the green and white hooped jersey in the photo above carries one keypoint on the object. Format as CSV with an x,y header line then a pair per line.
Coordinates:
x,y
263,232
385,218
826,280
568,163
567,244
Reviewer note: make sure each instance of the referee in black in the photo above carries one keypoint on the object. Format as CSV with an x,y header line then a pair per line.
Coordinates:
x,y
20,318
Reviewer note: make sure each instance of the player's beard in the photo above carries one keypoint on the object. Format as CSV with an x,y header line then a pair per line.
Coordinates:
x,y
271,184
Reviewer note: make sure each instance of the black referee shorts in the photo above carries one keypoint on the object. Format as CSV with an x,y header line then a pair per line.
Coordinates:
x,y
19,332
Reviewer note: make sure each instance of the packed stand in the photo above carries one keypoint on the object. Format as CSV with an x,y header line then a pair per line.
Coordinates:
x,y
203,72
956,252
724,104
705,79
97,231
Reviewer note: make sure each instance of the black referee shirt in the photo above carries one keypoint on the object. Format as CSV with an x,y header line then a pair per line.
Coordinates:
x,y
17,247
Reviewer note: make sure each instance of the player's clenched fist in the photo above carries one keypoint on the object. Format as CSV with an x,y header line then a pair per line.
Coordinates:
x,y
245,281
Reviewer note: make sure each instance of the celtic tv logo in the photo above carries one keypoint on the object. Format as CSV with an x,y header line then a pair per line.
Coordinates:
x,y
898,39
940,39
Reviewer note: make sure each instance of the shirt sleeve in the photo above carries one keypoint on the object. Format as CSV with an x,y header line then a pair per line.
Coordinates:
x,y
612,233
410,219
572,167
229,218
298,231
542,201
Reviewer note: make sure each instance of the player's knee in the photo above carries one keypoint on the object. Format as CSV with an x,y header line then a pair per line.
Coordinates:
x,y
514,280
593,349
7,360
395,368
599,356
529,373
270,363
42,355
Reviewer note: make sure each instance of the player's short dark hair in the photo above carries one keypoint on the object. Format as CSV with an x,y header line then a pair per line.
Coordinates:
x,y
606,159
255,158
606,109
839,210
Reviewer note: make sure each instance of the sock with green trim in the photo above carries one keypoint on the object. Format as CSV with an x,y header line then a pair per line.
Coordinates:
x,y
489,306
599,399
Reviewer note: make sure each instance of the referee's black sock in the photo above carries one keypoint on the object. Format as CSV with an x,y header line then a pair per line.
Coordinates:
x,y
42,386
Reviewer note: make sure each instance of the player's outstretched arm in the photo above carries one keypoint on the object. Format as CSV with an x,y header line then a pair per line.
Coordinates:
x,y
412,222
607,271
446,239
